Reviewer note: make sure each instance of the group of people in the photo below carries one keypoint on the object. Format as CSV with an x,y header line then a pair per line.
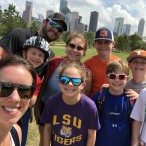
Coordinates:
x,y
72,106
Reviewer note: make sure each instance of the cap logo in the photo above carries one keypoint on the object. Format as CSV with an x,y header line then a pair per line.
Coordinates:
x,y
138,52
103,33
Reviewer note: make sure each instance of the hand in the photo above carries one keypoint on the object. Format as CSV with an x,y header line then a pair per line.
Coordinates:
x,y
131,94
141,143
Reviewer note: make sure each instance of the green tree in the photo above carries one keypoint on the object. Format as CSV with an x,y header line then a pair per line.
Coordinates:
x,y
10,19
33,26
90,38
65,36
122,43
135,42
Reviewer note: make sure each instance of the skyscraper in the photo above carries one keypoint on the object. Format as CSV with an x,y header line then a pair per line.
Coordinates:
x,y
93,21
74,21
63,4
126,29
27,13
118,26
141,28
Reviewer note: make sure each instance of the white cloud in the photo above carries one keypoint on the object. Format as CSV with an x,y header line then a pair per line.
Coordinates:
x,y
131,10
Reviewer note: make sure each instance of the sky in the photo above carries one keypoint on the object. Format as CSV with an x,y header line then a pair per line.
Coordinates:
x,y
131,10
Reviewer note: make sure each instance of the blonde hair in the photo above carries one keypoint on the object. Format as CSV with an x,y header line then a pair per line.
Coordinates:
x,y
118,64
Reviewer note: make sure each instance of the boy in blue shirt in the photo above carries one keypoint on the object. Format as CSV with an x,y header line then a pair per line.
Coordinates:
x,y
114,107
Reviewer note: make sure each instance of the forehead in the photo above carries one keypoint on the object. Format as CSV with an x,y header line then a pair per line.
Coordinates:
x,y
139,59
16,74
77,41
34,49
72,72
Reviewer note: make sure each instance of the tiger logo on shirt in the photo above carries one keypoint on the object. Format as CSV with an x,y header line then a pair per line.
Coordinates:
x,y
66,131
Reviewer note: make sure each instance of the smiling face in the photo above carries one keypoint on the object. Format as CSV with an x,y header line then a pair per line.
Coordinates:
x,y
71,93
73,53
104,47
117,85
49,32
138,66
34,56
13,107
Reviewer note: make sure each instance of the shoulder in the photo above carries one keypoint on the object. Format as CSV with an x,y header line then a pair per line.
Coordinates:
x,y
114,57
91,59
19,132
54,99
56,58
88,103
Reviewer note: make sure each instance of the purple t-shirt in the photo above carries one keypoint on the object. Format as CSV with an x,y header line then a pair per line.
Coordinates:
x,y
70,123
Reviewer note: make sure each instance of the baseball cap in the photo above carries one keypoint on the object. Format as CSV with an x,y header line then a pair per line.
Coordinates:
x,y
136,54
59,17
104,33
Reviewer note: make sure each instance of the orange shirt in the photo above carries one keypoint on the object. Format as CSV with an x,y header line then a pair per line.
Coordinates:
x,y
98,70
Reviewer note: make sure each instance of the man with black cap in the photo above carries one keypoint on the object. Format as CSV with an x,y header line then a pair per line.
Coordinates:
x,y
50,30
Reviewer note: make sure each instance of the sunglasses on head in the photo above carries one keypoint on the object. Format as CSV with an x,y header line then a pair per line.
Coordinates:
x,y
119,76
75,81
24,91
73,46
56,26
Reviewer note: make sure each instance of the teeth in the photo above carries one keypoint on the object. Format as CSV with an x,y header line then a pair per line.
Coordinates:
x,y
11,109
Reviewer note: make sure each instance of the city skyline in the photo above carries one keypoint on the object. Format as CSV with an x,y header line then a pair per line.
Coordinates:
x,y
109,10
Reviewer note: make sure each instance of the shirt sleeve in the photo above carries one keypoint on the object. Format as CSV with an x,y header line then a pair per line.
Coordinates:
x,y
136,113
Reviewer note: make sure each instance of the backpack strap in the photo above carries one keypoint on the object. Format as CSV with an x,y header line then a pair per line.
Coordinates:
x,y
15,137
99,99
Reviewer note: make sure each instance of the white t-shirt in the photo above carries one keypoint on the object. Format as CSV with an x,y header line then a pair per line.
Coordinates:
x,y
139,112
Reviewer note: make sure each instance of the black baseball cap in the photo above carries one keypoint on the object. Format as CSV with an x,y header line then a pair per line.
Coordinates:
x,y
104,33
59,17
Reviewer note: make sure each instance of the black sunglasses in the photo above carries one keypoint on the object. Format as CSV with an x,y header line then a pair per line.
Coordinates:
x,y
24,91
75,81
73,46
119,76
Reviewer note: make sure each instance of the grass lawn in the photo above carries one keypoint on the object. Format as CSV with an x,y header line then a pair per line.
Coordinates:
x,y
33,135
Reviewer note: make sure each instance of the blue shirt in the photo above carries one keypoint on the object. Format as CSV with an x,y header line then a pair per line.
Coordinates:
x,y
115,121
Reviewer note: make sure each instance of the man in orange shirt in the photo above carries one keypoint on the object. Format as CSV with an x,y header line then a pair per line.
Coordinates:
x,y
104,42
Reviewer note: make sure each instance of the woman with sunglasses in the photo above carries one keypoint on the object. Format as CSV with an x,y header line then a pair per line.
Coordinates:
x,y
70,117
17,86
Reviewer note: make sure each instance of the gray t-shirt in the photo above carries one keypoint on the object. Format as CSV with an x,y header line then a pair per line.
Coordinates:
x,y
137,87
70,123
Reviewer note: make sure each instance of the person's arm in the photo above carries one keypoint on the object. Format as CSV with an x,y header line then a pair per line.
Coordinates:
x,y
87,87
132,94
136,125
47,135
91,137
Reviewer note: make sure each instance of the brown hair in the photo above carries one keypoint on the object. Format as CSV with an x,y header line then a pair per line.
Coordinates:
x,y
67,64
118,64
77,35
16,60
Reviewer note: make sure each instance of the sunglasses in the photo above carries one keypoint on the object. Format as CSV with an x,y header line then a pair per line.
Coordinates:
x,y
114,76
56,26
24,91
73,46
75,81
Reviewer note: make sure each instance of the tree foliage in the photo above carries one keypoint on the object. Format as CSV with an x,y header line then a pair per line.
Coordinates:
x,y
90,38
9,19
